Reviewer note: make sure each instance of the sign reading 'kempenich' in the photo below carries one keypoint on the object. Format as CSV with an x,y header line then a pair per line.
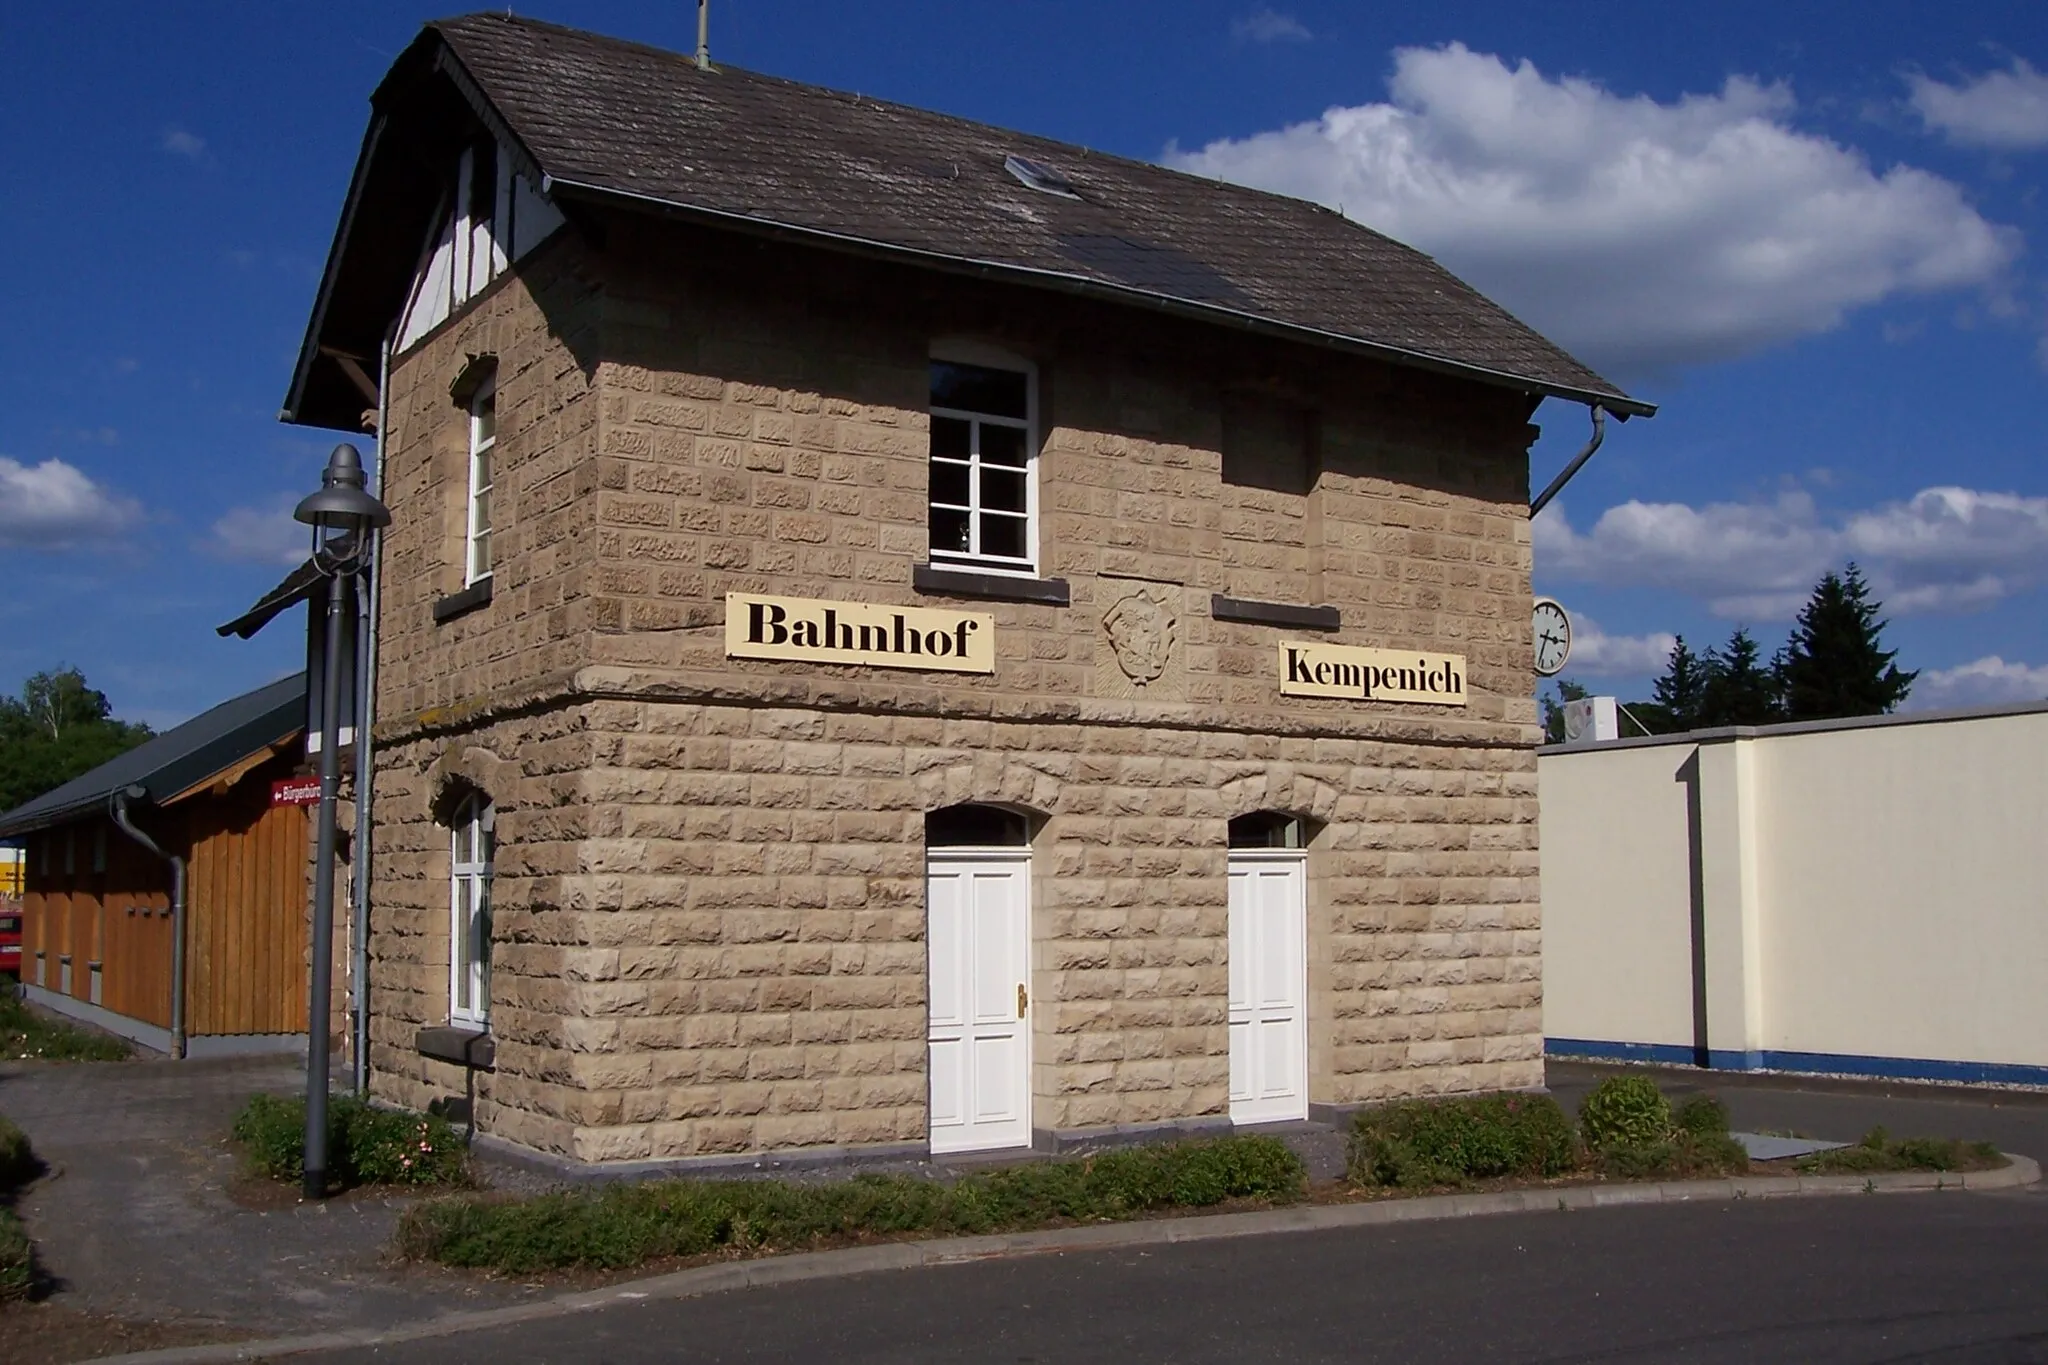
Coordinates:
x,y
1319,670
861,634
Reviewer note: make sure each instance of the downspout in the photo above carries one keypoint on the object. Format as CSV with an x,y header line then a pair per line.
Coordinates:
x,y
118,809
1578,461
366,707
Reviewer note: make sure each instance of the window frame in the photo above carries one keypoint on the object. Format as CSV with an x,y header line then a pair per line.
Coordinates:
x,y
480,449
476,817
993,358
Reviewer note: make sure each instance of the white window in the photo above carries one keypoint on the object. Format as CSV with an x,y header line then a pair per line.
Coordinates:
x,y
984,463
483,441
469,955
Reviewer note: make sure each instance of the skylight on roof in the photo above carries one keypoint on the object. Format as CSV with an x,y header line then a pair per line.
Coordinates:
x,y
1039,176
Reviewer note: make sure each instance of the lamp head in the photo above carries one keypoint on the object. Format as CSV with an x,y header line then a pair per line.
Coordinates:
x,y
343,505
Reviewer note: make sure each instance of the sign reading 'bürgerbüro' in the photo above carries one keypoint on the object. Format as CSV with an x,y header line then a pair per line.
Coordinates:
x,y
1308,669
862,634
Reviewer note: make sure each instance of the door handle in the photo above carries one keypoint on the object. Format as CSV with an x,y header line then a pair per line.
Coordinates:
x,y
1023,999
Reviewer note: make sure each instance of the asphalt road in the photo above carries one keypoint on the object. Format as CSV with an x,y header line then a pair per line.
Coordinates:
x,y
1947,1278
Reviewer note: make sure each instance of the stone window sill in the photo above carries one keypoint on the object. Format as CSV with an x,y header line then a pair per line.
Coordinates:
x,y
947,582
459,1044
477,594
1274,613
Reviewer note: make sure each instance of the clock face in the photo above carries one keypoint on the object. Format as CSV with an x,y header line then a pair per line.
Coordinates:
x,y
1553,637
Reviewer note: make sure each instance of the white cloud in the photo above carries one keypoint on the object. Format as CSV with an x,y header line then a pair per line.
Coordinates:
x,y
1981,682
1640,234
2004,109
1601,655
53,505
264,535
1269,26
1942,550
180,142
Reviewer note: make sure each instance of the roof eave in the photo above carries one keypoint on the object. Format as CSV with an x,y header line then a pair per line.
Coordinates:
x,y
1622,406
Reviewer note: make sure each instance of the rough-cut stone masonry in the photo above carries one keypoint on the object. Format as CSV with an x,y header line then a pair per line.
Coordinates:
x,y
709,880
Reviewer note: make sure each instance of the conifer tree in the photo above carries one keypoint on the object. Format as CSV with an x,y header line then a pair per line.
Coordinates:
x,y
1681,692
1835,664
1739,688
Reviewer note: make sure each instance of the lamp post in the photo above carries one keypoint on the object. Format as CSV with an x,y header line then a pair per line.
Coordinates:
x,y
342,514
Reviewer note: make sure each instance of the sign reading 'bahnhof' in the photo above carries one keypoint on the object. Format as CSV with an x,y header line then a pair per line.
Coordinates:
x,y
858,633
864,635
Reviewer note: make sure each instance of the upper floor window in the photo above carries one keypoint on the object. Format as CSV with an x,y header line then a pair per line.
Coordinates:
x,y
984,464
483,440
469,931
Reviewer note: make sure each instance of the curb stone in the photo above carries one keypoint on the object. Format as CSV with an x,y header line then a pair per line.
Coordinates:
x,y
819,1265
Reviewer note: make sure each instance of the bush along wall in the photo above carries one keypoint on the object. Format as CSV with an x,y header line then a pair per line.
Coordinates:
x,y
1626,1129
365,1145
625,1225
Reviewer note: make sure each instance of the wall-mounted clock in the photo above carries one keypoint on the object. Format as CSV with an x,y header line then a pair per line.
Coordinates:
x,y
1553,637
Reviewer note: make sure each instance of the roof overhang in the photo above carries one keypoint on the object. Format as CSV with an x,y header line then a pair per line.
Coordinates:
x,y
437,103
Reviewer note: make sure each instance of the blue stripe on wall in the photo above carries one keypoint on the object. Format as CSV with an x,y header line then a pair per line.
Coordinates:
x,y
1832,1063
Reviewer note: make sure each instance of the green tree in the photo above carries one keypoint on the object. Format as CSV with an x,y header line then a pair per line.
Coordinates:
x,y
1682,691
1739,688
1835,664
57,729
1553,708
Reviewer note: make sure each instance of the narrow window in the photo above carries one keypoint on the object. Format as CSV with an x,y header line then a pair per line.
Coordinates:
x,y
70,852
469,954
99,848
483,440
984,467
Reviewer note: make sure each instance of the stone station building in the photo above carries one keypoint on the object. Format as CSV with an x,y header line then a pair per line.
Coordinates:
x,y
899,636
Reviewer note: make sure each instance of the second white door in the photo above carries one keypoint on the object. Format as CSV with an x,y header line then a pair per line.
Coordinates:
x,y
978,942
1268,986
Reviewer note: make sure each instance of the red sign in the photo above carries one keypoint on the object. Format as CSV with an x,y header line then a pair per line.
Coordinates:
x,y
295,791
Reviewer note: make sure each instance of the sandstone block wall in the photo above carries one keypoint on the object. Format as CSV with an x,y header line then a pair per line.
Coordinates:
x,y
711,920
709,880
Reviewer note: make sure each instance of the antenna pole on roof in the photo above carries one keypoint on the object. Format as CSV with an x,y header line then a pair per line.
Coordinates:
x,y
703,35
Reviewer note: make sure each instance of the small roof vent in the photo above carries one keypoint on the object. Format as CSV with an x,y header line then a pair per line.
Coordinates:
x,y
1039,176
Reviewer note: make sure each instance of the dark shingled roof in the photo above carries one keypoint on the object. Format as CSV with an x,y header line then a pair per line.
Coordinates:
x,y
607,120
175,759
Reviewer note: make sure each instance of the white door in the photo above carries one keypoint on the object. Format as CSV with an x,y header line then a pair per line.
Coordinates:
x,y
1268,986
977,942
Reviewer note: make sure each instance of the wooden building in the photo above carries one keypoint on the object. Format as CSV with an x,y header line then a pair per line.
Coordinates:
x,y
99,916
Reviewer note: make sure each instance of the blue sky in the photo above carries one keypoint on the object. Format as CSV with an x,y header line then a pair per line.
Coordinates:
x,y
1819,244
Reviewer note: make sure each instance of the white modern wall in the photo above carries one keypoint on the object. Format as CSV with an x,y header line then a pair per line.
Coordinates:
x,y
1863,896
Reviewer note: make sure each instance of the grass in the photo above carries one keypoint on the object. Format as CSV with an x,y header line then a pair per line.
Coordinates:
x,y
626,1225
1880,1152
365,1145
24,1034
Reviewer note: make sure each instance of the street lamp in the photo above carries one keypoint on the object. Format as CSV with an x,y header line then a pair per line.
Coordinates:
x,y
342,514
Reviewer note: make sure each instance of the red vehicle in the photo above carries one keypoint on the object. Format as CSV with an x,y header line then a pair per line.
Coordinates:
x,y
10,936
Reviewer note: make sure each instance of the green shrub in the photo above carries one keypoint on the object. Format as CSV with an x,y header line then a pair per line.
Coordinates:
x,y
1625,1111
18,1163
624,1225
1879,1152
17,1258
1450,1141
1700,1115
365,1145
1683,1154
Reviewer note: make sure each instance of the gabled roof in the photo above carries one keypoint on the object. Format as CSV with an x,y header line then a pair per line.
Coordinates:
x,y
606,121
175,760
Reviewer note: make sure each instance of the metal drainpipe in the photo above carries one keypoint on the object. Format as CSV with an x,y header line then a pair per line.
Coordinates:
x,y
366,714
118,808
1578,461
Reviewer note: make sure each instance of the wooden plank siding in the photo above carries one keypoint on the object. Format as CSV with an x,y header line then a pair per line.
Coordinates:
x,y
246,890
246,895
